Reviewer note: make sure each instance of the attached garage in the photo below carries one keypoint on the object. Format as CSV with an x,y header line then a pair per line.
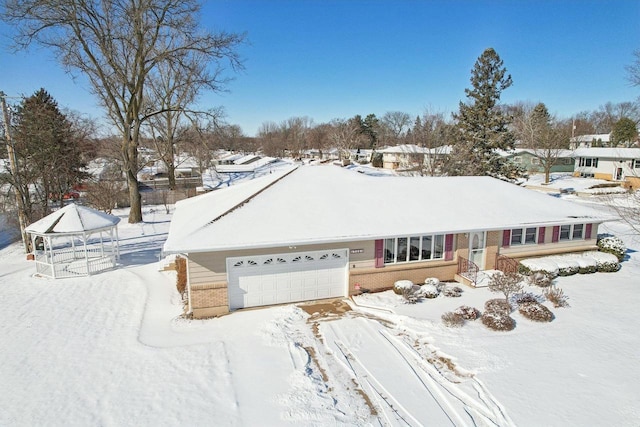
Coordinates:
x,y
283,278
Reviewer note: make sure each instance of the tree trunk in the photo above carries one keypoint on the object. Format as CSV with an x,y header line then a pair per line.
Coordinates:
x,y
171,171
131,170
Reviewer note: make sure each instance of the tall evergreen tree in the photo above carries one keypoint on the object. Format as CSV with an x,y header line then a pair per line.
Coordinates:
x,y
482,126
49,160
624,133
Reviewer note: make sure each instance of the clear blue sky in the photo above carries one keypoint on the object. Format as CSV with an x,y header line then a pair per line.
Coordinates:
x,y
336,59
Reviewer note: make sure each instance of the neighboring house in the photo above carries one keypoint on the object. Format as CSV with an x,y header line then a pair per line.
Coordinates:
x,y
529,159
611,164
322,231
586,141
327,154
409,157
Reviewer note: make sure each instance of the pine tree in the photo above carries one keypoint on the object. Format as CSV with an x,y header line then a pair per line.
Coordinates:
x,y
482,126
49,158
624,132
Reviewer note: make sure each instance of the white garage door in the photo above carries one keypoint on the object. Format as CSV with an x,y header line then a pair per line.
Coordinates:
x,y
283,278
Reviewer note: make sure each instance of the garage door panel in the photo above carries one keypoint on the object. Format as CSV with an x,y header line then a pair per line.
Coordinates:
x,y
275,279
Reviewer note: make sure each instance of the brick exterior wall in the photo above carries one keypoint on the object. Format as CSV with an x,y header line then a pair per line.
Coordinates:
x,y
208,300
380,279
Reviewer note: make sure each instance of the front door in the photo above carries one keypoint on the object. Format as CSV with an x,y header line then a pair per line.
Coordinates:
x,y
618,174
476,248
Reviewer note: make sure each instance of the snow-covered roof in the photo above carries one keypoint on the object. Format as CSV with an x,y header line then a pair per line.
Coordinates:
x,y
322,204
73,219
405,149
604,137
535,152
612,153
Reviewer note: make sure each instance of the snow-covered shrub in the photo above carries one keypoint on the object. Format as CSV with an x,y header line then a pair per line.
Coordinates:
x,y
540,264
497,305
452,291
556,296
498,321
536,312
612,245
542,279
567,264
467,312
522,298
605,261
587,264
609,267
428,291
410,296
401,285
432,281
452,320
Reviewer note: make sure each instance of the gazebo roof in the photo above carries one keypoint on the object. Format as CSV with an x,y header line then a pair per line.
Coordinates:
x,y
73,219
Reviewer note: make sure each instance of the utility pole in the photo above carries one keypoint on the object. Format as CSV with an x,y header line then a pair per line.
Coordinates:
x,y
17,188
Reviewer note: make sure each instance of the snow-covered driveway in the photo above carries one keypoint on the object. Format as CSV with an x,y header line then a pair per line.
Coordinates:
x,y
402,381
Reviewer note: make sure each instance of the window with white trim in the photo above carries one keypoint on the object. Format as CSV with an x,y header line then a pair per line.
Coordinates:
x,y
636,164
524,236
535,161
588,162
572,232
413,248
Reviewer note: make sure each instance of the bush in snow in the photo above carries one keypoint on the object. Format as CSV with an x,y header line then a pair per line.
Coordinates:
x,y
612,245
505,283
410,296
605,262
428,291
432,281
541,279
452,320
536,312
556,296
181,279
530,265
587,264
400,286
467,313
452,291
497,305
523,298
498,321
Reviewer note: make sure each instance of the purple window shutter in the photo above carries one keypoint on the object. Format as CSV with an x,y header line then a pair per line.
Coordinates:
x,y
448,247
556,234
541,232
506,238
587,231
379,253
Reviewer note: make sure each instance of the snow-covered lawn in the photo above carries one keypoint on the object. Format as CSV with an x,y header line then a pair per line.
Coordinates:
x,y
112,350
567,183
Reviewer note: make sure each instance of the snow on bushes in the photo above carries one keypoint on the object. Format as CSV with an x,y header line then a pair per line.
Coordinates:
x,y
452,291
612,245
536,312
428,291
467,312
401,286
498,321
541,279
497,305
565,265
452,320
556,296
432,281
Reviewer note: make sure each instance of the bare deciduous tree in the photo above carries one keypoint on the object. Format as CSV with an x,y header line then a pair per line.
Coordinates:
x,y
118,46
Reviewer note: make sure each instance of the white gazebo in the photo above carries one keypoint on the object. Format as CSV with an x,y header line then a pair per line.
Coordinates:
x,y
74,241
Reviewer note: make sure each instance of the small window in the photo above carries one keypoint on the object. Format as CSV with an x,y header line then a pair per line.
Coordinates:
x,y
535,161
252,262
517,159
587,162
336,256
308,258
389,250
636,164
402,249
324,256
268,261
239,264
427,242
516,236
297,259
530,236
565,232
281,261
438,246
414,248
577,231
